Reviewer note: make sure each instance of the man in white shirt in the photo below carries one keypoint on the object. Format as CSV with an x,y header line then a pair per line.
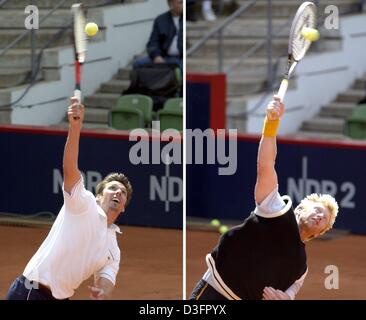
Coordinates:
x,y
265,258
82,241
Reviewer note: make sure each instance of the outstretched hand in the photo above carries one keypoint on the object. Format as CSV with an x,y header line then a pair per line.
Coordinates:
x,y
75,112
275,109
272,294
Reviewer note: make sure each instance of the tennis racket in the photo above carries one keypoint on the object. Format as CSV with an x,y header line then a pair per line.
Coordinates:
x,y
298,45
80,43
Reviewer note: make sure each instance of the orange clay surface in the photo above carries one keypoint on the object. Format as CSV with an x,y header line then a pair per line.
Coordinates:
x,y
348,253
151,264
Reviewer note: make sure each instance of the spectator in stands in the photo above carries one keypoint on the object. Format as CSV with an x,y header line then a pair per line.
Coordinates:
x,y
165,44
206,10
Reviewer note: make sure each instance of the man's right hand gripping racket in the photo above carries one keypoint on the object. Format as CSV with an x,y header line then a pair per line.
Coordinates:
x,y
80,42
305,18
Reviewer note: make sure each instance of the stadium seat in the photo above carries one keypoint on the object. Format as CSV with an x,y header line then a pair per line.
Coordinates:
x,y
170,119
137,101
355,126
174,104
126,118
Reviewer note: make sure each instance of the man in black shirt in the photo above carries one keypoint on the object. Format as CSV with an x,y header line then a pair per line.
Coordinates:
x,y
265,258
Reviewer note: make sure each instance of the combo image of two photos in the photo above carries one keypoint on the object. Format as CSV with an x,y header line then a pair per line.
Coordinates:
x,y
182,153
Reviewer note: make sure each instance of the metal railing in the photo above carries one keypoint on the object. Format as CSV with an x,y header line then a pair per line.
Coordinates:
x,y
272,68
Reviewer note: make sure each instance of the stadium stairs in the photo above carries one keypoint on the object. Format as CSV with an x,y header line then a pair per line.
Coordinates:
x,y
15,64
249,79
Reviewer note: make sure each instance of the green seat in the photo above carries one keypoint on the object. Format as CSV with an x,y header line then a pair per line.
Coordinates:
x,y
137,101
171,119
174,104
355,126
126,118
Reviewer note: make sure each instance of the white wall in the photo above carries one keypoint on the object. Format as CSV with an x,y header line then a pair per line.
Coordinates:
x,y
49,100
320,77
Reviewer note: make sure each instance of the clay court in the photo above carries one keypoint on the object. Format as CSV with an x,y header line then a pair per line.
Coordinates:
x,y
347,252
151,261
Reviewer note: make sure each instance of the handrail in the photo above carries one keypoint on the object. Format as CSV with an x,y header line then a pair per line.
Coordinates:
x,y
2,2
25,33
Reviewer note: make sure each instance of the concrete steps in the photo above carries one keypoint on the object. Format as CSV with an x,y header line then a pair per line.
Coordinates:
x,y
324,124
42,37
234,47
14,18
21,4
337,110
286,8
11,77
115,86
98,105
101,100
251,67
332,117
96,115
16,58
249,29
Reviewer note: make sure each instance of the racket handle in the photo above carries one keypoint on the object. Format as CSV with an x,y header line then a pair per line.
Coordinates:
x,y
77,95
283,89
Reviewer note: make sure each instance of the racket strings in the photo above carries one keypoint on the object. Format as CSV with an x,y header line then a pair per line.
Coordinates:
x,y
299,45
79,35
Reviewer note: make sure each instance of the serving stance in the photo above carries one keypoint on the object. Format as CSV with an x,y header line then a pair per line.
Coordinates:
x,y
265,258
82,240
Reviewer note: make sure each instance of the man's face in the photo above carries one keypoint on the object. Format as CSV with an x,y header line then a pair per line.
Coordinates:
x,y
113,200
176,7
313,217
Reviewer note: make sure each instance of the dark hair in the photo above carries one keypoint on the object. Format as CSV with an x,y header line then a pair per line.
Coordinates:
x,y
120,177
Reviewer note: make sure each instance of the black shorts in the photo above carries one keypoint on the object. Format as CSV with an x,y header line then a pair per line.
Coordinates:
x,y
23,289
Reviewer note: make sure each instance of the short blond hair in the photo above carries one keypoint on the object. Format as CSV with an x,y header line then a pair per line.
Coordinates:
x,y
329,202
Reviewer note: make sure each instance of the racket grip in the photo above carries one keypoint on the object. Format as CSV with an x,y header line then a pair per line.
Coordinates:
x,y
77,95
283,89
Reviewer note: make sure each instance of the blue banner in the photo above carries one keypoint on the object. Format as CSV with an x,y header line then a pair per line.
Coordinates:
x,y
303,168
31,175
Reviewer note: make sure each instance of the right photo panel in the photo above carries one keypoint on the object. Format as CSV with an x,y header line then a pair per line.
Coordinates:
x,y
275,150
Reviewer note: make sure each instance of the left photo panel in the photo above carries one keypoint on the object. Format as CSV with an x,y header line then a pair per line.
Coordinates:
x,y
91,127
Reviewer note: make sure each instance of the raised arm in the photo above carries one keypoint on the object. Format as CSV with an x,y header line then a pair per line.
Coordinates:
x,y
75,116
266,173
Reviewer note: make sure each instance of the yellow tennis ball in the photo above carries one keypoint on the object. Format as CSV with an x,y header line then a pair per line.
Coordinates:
x,y
215,223
223,229
91,29
310,34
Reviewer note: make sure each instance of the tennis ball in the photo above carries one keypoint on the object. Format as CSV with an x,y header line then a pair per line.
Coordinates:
x,y
91,29
215,223
310,34
223,229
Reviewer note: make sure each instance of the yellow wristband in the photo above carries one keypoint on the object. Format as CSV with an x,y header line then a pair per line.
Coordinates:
x,y
270,127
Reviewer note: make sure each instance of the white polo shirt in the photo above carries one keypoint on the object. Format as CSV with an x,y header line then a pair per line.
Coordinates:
x,y
78,245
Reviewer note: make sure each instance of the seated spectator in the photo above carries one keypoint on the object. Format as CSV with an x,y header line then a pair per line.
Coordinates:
x,y
165,44
206,10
